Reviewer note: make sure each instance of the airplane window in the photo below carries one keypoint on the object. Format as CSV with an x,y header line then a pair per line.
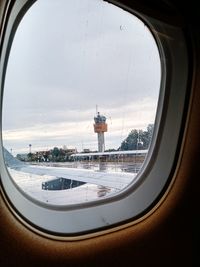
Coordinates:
x,y
80,99
93,96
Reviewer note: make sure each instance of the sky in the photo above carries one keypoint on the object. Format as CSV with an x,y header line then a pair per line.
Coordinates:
x,y
69,57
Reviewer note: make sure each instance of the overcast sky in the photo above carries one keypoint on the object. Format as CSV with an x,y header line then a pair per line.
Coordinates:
x,y
66,58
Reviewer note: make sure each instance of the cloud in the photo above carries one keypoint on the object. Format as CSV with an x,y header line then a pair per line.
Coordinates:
x,y
65,61
80,133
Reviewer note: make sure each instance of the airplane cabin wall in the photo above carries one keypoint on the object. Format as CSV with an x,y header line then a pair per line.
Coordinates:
x,y
164,238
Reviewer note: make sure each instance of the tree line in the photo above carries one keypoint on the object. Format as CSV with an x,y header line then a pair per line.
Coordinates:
x,y
138,139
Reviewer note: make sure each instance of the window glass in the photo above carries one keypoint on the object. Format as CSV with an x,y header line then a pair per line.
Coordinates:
x,y
80,99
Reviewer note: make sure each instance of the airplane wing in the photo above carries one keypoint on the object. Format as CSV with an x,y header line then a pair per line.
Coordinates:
x,y
111,179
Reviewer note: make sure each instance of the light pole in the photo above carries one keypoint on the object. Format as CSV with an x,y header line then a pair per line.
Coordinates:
x,y
30,148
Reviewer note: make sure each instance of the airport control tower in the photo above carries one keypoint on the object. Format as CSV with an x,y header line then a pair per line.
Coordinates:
x,y
100,126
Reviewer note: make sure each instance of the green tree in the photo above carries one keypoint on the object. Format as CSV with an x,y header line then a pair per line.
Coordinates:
x,y
31,157
55,153
138,139
147,136
130,143
58,155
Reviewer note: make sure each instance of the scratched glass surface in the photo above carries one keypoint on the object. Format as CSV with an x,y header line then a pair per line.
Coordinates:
x,y
80,99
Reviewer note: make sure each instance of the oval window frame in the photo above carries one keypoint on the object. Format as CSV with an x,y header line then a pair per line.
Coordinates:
x,y
157,171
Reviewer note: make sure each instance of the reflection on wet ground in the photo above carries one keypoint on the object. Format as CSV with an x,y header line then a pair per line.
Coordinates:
x,y
61,191
130,167
63,183
103,190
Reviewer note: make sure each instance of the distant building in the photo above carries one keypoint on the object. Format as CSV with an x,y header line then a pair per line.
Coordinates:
x,y
86,150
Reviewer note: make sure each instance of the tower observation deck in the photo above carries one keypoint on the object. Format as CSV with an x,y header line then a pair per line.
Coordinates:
x,y
100,126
